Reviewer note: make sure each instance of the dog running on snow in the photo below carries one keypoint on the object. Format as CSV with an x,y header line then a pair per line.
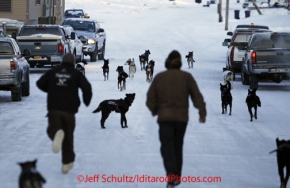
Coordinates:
x,y
119,106
226,97
122,75
283,160
132,67
105,68
253,101
190,59
149,69
144,59
228,76
30,177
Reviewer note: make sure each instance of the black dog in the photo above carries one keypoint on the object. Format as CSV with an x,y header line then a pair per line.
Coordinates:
x,y
144,59
226,97
283,160
253,101
190,59
29,177
121,78
119,106
149,71
105,68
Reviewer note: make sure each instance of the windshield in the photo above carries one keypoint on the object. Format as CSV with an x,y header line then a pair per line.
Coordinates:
x,y
43,30
74,13
81,25
6,48
281,41
268,40
242,38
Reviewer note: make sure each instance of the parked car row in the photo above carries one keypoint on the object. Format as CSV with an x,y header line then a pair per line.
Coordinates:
x,y
41,44
259,54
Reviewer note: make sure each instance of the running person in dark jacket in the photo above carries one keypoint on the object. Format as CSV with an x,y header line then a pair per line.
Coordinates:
x,y
61,85
168,98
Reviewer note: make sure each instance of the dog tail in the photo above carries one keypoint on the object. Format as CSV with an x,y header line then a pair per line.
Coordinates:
x,y
282,147
98,109
273,151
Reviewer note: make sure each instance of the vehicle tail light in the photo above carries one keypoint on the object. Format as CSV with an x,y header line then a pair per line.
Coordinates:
x,y
253,57
232,54
60,47
12,66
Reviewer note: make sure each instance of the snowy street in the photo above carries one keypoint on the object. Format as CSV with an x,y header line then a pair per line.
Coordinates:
x,y
230,150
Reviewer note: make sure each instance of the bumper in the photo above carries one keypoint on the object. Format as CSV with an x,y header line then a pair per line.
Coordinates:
x,y
236,65
8,81
89,48
45,59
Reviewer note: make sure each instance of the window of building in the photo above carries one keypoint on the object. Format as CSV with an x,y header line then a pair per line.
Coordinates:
x,y
37,2
5,5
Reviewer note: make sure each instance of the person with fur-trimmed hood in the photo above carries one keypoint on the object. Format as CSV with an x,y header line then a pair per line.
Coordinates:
x,y
62,85
168,98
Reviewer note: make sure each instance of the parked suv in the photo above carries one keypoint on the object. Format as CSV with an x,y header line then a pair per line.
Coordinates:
x,y
75,13
241,35
91,34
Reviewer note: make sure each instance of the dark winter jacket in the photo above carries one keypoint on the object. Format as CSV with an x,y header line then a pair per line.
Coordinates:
x,y
62,85
169,92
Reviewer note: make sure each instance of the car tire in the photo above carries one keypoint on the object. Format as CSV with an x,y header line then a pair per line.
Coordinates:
x,y
244,77
16,93
253,82
93,57
26,87
102,55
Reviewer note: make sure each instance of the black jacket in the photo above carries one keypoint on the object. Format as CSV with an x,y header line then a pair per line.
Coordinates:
x,y
62,85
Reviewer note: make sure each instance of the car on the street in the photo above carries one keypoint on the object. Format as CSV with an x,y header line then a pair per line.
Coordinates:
x,y
75,44
75,13
241,35
91,34
47,44
14,69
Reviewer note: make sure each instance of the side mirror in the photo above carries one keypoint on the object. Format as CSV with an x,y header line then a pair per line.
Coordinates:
x,y
225,44
73,35
227,40
230,33
26,52
101,30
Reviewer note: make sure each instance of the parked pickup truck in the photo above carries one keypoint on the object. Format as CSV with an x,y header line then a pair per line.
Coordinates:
x,y
47,44
14,69
241,35
92,36
266,58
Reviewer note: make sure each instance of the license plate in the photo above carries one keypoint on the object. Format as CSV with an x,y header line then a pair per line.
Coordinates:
x,y
37,57
280,70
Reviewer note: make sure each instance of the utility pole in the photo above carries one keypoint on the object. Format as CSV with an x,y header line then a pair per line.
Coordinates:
x,y
50,6
220,11
257,7
227,15
58,12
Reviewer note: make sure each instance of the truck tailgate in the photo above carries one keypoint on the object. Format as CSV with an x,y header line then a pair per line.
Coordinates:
x,y
39,45
274,56
4,66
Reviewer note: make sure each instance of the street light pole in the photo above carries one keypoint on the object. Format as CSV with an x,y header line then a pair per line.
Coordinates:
x,y
220,11
227,15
